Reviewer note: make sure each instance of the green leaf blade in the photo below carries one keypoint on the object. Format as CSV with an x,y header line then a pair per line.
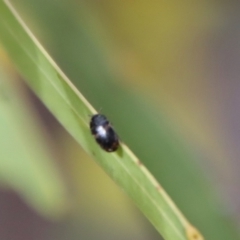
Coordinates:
x,y
73,111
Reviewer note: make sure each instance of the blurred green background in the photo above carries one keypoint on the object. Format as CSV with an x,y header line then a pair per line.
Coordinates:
x,y
167,76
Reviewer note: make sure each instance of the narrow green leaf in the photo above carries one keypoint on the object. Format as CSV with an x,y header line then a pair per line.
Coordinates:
x,y
72,110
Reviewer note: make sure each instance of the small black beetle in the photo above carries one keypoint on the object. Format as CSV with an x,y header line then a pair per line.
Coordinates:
x,y
104,133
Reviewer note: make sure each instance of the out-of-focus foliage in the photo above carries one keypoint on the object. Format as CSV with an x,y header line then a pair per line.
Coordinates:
x,y
26,164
